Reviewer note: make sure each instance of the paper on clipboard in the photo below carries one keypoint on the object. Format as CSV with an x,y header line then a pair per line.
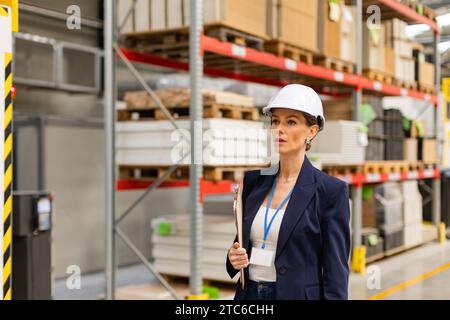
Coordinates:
x,y
238,217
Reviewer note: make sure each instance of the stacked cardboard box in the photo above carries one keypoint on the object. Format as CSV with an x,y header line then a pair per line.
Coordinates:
x,y
171,245
338,109
429,151
293,22
402,50
368,207
412,213
426,74
248,16
374,48
329,28
424,71
348,35
410,149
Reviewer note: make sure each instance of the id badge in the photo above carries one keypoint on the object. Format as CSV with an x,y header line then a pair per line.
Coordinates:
x,y
261,257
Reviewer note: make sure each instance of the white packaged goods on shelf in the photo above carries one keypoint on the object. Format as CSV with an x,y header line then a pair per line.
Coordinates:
x,y
389,206
157,14
340,142
141,15
226,141
171,246
412,202
210,271
348,47
214,225
429,233
413,235
175,13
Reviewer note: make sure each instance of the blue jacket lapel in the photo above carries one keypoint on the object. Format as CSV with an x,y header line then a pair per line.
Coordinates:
x,y
304,189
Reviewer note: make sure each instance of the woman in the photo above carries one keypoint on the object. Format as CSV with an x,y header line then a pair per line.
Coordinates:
x,y
296,234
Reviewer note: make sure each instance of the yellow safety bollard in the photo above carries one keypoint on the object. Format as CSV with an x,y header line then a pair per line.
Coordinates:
x,y
203,296
359,260
442,233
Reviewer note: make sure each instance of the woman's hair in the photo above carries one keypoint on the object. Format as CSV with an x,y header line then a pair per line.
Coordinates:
x,y
310,121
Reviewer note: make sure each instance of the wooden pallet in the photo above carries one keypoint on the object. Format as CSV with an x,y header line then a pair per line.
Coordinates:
x,y
174,42
385,167
216,173
427,89
169,43
334,64
341,170
214,111
182,112
228,34
289,51
420,166
406,84
377,75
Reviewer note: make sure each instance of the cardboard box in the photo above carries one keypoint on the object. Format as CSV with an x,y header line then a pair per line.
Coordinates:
x,y
174,11
404,69
338,109
369,219
348,43
247,16
429,151
410,150
282,15
402,48
328,38
389,60
373,48
426,73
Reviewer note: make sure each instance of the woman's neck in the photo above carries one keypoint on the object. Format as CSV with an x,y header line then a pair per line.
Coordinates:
x,y
290,166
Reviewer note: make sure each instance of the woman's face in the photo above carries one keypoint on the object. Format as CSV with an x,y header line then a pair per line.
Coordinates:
x,y
293,130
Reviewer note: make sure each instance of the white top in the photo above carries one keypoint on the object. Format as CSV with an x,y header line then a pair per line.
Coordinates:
x,y
257,272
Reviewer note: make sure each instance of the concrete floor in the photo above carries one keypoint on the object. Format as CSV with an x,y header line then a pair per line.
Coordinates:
x,y
422,273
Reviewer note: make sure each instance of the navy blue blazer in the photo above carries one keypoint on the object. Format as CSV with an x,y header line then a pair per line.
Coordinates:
x,y
313,248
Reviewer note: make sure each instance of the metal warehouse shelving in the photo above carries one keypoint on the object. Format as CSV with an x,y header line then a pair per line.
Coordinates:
x,y
277,71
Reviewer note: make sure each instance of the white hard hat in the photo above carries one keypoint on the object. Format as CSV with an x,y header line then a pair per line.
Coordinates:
x,y
298,97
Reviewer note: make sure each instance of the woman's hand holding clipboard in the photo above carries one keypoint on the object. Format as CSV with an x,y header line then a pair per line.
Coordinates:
x,y
238,217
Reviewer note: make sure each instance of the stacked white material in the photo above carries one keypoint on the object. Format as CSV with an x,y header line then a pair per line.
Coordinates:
x,y
226,141
147,15
403,56
412,213
171,252
340,142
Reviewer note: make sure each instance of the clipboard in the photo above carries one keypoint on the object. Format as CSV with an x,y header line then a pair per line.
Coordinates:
x,y
238,218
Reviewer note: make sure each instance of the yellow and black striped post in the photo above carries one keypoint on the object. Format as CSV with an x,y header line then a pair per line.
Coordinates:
x,y
7,179
8,25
